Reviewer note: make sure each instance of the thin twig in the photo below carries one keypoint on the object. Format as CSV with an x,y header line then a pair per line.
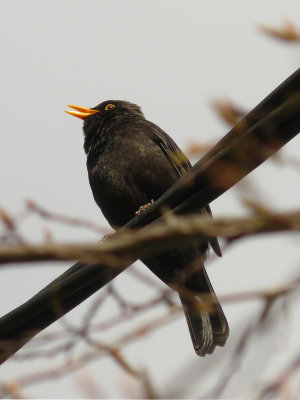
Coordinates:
x,y
77,222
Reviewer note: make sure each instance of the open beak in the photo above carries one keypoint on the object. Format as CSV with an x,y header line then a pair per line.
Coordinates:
x,y
81,112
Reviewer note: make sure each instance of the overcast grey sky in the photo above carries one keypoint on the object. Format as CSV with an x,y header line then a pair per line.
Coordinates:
x,y
172,58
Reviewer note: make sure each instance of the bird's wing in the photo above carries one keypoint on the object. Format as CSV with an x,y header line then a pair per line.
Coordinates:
x,y
181,164
177,158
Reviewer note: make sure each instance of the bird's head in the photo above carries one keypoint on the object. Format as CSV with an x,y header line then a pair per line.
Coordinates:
x,y
107,109
94,118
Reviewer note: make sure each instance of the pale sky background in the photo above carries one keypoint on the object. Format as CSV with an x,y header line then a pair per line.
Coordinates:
x,y
172,58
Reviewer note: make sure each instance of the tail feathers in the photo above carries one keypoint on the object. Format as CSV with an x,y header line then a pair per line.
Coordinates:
x,y
201,331
205,318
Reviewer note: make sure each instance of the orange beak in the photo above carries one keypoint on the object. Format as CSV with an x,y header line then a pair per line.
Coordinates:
x,y
81,112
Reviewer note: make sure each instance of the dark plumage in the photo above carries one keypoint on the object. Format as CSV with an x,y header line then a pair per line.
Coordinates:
x,y
131,161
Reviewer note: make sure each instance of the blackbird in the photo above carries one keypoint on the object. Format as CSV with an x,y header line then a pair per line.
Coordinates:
x,y
131,162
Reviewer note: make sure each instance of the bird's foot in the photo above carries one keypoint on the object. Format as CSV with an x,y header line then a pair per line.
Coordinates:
x,y
144,207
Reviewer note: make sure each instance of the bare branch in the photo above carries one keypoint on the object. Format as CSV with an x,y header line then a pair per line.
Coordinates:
x,y
279,386
132,244
73,365
240,351
228,111
78,222
288,32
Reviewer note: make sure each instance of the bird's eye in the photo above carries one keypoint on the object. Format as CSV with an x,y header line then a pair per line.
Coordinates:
x,y
109,107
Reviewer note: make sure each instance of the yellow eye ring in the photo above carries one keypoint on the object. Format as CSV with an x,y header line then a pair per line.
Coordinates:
x,y
109,107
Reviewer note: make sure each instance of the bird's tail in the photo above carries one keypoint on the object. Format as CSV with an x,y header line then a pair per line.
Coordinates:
x,y
205,318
